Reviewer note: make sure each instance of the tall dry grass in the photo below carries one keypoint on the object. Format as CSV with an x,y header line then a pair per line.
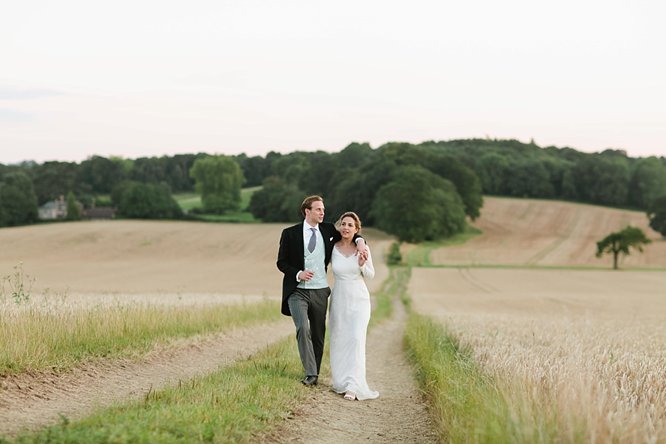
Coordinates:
x,y
585,347
604,380
54,332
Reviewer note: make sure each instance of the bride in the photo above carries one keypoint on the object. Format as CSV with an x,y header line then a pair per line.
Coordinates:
x,y
349,312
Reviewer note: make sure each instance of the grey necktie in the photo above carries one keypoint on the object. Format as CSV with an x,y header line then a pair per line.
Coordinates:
x,y
313,240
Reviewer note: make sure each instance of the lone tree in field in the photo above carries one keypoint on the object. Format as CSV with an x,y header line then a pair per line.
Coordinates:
x,y
620,242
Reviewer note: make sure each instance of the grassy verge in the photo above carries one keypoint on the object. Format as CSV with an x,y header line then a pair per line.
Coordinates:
x,y
33,339
467,405
419,255
190,201
234,404
394,286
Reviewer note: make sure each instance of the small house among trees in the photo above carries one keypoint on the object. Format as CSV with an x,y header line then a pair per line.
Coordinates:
x,y
54,209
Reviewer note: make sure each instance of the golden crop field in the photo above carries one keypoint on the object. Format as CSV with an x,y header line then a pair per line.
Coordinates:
x,y
584,346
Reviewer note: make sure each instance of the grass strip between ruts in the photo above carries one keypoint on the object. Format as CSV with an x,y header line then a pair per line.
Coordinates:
x,y
231,405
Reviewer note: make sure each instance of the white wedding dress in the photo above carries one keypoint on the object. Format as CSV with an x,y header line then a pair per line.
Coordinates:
x,y
348,323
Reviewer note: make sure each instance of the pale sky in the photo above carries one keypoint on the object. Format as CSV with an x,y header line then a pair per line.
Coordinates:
x,y
147,78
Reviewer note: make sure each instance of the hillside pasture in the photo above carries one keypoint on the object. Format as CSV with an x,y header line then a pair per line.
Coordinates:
x,y
530,232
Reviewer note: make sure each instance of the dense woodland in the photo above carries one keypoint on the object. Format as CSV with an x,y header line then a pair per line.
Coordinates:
x,y
420,192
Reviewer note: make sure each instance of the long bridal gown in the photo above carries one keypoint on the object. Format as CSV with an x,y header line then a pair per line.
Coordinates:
x,y
348,323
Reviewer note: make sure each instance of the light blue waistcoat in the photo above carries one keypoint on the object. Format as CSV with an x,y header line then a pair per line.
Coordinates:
x,y
315,262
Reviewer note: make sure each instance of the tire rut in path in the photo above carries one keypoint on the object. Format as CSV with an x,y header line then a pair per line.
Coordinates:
x,y
398,415
35,401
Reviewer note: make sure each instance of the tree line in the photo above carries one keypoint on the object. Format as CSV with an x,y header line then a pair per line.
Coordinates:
x,y
416,191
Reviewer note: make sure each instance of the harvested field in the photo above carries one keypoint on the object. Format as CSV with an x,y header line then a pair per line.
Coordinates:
x,y
145,257
541,232
191,260
586,346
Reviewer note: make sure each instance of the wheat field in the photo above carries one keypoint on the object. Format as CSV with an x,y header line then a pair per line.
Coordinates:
x,y
583,346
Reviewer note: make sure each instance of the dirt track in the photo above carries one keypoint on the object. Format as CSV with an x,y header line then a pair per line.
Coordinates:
x,y
398,415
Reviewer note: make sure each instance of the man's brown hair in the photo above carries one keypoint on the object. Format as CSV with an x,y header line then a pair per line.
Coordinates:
x,y
307,203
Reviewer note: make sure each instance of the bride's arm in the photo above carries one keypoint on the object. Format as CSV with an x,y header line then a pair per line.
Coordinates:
x,y
367,269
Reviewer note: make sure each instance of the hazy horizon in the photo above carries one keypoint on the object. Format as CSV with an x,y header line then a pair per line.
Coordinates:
x,y
143,79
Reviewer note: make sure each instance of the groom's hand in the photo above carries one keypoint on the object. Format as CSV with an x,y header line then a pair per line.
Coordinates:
x,y
305,275
361,248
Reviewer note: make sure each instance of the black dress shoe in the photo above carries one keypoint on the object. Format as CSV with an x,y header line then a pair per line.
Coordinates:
x,y
310,380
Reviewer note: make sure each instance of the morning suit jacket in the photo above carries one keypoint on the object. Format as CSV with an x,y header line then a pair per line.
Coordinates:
x,y
291,258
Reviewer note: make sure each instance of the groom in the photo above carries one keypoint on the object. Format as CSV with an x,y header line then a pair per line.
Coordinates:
x,y
303,257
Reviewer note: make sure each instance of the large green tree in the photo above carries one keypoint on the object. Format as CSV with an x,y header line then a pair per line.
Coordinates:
x,y
602,179
657,215
277,201
219,180
493,168
255,169
18,202
355,189
465,179
101,174
529,178
54,179
418,205
145,201
445,165
648,181
620,242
